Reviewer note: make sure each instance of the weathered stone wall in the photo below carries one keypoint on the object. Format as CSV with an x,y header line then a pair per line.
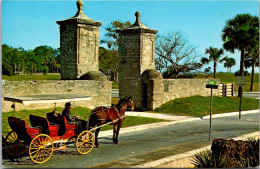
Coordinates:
x,y
88,43
129,66
79,45
136,56
147,52
68,48
177,88
99,91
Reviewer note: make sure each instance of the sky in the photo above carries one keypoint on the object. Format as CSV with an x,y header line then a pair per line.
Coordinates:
x,y
29,24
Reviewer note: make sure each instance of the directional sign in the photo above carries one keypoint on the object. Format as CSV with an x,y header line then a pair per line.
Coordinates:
x,y
211,86
212,82
241,80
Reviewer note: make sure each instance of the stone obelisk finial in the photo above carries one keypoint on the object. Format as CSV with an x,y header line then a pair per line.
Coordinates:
x,y
79,5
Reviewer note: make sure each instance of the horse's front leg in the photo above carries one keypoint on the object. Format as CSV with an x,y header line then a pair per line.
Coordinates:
x,y
114,133
96,137
117,132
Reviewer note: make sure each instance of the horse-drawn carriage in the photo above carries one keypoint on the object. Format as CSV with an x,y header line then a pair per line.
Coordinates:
x,y
54,132
44,137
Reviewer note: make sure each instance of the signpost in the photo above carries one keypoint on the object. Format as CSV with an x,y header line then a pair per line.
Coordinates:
x,y
241,81
212,84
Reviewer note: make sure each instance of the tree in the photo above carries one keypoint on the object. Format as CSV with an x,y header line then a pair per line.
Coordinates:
x,y
214,56
112,40
107,62
175,54
241,33
252,60
47,56
111,36
229,63
7,68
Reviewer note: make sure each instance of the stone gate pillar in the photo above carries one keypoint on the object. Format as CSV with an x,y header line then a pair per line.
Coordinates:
x,y
79,45
136,54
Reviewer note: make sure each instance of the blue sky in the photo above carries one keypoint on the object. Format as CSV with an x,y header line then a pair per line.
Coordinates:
x,y
29,24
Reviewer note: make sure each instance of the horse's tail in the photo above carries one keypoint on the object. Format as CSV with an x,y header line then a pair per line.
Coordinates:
x,y
92,120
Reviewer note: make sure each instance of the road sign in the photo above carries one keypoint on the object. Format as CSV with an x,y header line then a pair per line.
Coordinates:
x,y
211,86
212,82
241,80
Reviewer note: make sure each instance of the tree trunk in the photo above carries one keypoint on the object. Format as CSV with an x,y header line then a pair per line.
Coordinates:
x,y
215,69
252,76
240,91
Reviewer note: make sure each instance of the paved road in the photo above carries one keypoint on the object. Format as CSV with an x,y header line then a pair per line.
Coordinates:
x,y
147,145
114,93
249,94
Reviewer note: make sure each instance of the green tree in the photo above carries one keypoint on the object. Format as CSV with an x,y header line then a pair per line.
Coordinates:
x,y
46,54
214,56
241,33
7,68
229,63
111,40
252,60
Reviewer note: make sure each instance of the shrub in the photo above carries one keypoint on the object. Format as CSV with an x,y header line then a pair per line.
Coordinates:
x,y
206,159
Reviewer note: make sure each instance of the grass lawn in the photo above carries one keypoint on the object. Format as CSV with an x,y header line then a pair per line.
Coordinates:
x,y
83,113
114,85
200,106
231,78
31,77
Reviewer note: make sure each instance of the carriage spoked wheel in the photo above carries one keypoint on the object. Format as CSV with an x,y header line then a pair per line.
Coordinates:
x,y
41,148
85,142
13,146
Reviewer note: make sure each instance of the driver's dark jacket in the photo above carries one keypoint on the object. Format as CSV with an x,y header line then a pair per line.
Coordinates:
x,y
67,113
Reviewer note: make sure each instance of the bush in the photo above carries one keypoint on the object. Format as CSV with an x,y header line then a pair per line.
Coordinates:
x,y
229,154
237,73
205,159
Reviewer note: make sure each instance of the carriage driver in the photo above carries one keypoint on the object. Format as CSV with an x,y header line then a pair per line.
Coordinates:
x,y
81,124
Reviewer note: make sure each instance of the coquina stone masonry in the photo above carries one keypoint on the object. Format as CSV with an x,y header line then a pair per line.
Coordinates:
x,y
99,91
137,74
79,45
136,54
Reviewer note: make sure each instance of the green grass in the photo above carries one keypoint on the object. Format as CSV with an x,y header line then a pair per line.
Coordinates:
x,y
200,106
114,85
231,78
31,77
83,113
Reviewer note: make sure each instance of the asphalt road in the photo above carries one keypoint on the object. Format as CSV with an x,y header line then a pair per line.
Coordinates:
x,y
147,145
249,94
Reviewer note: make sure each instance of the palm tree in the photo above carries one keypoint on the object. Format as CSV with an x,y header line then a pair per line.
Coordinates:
x,y
241,33
214,55
252,60
229,63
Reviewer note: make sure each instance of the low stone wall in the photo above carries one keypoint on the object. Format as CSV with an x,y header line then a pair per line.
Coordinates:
x,y
177,88
99,91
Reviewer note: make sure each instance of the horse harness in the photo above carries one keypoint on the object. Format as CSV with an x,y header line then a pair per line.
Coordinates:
x,y
107,108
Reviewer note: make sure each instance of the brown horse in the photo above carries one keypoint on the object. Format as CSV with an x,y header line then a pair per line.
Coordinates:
x,y
106,115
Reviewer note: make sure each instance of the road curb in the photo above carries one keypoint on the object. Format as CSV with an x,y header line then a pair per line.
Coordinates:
x,y
162,124
174,158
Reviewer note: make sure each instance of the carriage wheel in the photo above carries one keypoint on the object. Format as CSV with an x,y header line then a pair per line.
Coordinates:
x,y
41,148
85,142
13,146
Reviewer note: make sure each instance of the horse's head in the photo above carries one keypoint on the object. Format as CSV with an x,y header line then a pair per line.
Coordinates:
x,y
130,103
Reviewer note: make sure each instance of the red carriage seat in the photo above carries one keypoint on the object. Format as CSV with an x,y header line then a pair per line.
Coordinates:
x,y
47,127
65,126
23,131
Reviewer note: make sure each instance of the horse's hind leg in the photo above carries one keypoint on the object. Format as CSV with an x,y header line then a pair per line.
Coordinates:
x,y
114,133
117,133
96,137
